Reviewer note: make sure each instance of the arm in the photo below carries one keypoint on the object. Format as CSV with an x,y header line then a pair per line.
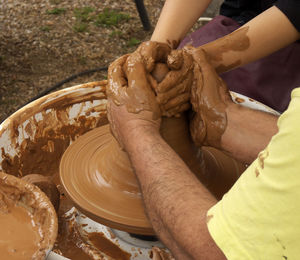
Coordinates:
x,y
219,122
248,132
175,201
177,18
263,35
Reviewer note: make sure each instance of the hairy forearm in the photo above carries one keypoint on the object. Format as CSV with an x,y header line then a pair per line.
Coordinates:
x,y
177,18
263,35
248,132
176,202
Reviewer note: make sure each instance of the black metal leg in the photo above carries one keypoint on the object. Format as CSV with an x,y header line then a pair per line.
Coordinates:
x,y
143,14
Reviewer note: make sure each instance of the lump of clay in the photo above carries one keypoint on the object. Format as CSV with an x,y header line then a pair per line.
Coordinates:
x,y
47,186
160,71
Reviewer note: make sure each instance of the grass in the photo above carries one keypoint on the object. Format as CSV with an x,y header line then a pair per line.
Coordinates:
x,y
56,11
115,33
84,14
80,27
133,42
55,2
107,18
82,60
45,28
110,18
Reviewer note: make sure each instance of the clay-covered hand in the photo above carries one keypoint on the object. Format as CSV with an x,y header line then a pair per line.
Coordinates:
x,y
134,70
132,103
173,92
210,98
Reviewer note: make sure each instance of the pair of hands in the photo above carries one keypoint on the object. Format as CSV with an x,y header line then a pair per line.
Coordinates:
x,y
139,93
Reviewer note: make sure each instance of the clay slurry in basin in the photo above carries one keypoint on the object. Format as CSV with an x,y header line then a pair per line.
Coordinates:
x,y
27,220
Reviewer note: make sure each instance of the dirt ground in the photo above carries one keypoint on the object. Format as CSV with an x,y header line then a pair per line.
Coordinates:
x,y
42,42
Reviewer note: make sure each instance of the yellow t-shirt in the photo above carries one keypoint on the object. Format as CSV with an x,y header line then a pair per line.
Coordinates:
x,y
259,218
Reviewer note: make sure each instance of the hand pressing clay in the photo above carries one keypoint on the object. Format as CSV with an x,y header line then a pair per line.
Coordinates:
x,y
160,71
128,78
173,73
45,185
209,97
174,89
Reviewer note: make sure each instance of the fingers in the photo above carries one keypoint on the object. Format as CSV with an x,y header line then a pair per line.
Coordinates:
x,y
135,71
196,88
173,93
175,59
160,71
176,110
202,59
153,52
183,87
176,105
198,130
152,81
209,97
116,78
174,77
176,101
139,94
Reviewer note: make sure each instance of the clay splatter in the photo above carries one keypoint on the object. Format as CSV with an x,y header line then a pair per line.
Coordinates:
x,y
208,218
261,158
256,172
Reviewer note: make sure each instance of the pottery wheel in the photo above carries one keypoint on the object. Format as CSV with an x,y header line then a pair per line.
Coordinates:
x,y
97,176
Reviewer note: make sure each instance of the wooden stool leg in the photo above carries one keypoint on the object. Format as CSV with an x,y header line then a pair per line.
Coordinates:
x,y
143,14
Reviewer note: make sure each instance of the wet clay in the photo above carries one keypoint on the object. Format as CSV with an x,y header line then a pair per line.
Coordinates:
x,y
210,98
69,243
28,220
40,153
159,72
221,170
128,78
160,254
98,177
236,41
137,96
173,91
106,246
76,244
16,230
47,186
50,137
131,83
45,141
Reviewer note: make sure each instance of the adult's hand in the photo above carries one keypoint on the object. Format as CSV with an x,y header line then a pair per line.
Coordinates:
x,y
168,72
173,88
173,92
132,103
210,98
134,70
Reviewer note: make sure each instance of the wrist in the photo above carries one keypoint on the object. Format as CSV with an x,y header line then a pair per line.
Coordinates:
x,y
133,135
